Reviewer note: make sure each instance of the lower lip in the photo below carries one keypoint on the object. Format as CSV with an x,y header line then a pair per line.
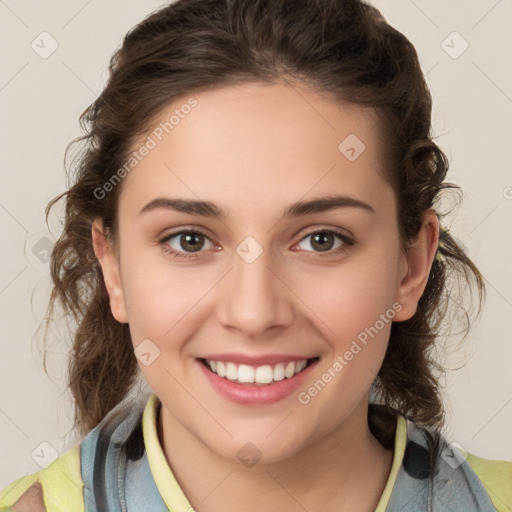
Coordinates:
x,y
251,394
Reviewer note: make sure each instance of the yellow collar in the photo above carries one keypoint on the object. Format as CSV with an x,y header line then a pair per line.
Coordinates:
x,y
171,492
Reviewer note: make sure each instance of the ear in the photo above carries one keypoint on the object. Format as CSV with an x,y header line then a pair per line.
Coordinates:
x,y
106,255
418,261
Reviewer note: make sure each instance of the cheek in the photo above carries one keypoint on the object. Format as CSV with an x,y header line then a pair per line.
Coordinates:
x,y
159,298
349,298
354,309
165,299
354,312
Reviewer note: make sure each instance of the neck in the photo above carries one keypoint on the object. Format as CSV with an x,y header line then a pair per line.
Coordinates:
x,y
346,470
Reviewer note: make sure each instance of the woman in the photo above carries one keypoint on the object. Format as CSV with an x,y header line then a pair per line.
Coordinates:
x,y
252,226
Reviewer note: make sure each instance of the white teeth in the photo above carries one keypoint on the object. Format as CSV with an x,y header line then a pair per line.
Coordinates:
x,y
279,371
289,370
259,375
264,374
231,371
299,366
221,370
245,373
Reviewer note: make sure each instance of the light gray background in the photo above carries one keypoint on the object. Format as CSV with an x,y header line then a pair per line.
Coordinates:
x,y
41,99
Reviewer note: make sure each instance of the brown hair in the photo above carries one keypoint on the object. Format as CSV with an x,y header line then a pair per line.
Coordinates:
x,y
341,47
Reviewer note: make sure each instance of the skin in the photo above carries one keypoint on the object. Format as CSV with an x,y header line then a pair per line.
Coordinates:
x,y
254,149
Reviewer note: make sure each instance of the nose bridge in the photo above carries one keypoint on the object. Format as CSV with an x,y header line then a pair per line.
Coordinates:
x,y
255,298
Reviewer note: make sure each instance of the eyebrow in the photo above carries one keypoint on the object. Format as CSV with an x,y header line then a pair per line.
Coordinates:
x,y
298,209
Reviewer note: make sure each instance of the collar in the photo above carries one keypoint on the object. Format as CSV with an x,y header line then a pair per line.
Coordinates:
x,y
171,492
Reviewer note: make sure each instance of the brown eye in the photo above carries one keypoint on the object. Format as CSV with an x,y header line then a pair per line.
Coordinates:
x,y
183,242
191,241
324,241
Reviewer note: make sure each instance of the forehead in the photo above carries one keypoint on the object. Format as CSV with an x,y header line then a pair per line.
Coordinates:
x,y
255,145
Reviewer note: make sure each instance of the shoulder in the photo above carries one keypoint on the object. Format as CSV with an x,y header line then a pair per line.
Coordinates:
x,y
56,488
492,478
436,471
496,476
31,500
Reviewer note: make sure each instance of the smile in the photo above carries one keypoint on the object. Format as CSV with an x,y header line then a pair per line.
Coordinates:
x,y
260,375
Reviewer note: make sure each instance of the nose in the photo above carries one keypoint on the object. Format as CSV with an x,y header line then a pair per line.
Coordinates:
x,y
255,297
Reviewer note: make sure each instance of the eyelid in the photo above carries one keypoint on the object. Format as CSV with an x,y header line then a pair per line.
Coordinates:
x,y
340,231
182,230
347,240
162,241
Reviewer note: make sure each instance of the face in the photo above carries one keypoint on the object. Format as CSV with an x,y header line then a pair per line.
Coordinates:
x,y
251,286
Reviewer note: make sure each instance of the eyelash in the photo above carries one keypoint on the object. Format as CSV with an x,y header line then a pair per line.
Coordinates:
x,y
347,242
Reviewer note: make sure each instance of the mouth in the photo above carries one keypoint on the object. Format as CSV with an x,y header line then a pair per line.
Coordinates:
x,y
263,375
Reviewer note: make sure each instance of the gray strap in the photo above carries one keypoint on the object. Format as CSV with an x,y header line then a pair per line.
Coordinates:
x,y
117,476
115,468
453,487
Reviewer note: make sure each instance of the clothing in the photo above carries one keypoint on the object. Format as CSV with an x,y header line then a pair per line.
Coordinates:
x,y
121,466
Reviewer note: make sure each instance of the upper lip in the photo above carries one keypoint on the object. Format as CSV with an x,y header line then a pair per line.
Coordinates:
x,y
255,360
